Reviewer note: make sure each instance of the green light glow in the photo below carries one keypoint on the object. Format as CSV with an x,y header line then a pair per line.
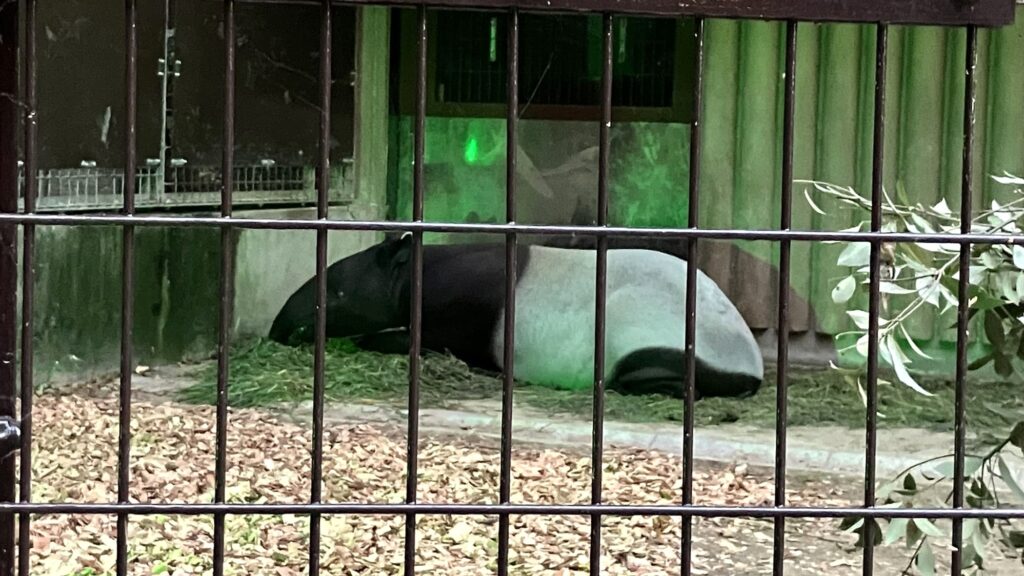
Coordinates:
x,y
472,152
494,40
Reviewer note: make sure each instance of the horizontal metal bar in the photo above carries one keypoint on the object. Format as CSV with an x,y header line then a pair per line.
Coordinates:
x,y
540,230
518,509
941,12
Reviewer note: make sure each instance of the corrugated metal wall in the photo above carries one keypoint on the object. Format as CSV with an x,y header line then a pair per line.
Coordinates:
x,y
835,71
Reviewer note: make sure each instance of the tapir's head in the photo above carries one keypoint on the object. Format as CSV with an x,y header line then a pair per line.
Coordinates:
x,y
366,293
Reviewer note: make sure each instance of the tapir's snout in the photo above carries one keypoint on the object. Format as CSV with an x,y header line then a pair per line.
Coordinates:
x,y
10,436
297,313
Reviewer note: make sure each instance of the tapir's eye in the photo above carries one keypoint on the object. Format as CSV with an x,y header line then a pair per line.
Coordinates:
x,y
341,293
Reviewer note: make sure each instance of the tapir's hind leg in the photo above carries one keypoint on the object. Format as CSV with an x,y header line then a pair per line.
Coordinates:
x,y
650,371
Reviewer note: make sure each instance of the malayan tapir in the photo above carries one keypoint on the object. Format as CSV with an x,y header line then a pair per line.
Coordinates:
x,y
368,297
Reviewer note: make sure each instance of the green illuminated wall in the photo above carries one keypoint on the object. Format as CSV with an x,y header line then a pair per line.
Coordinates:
x,y
466,171
741,151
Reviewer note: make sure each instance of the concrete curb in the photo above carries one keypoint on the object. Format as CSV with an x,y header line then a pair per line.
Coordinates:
x,y
831,449
809,449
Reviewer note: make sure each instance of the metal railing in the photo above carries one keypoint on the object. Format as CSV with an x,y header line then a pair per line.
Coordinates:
x,y
89,188
882,13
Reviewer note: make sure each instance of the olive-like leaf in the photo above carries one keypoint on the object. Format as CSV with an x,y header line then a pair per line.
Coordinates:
x,y
1009,479
1008,179
1015,538
994,329
925,561
913,535
942,208
897,529
913,345
855,254
1018,256
1003,366
811,203
928,528
991,260
981,361
898,360
851,524
971,465
844,290
970,525
1017,435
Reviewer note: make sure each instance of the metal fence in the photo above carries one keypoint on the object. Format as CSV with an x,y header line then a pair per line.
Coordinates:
x,y
968,13
91,188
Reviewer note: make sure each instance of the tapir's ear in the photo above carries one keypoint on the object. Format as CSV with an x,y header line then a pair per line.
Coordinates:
x,y
396,252
403,250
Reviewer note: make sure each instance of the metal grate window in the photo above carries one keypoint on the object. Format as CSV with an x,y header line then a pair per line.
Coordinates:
x,y
560,60
560,67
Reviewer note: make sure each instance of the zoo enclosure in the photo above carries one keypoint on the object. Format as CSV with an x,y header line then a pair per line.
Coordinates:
x,y
26,215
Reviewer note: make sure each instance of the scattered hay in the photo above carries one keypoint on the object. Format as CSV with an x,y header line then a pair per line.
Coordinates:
x,y
265,373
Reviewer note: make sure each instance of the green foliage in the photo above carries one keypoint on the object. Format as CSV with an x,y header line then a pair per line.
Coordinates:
x,y
926,484
928,275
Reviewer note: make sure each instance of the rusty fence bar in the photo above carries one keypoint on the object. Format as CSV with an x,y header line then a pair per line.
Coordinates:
x,y
874,292
226,288
604,159
128,283
782,358
455,509
963,315
504,229
9,113
511,263
416,292
880,14
28,288
950,13
320,336
690,336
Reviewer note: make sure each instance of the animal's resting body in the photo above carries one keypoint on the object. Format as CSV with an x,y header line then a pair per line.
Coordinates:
x,y
463,313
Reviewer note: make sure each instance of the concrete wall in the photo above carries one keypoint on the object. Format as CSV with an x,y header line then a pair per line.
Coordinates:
x,y
77,319
271,264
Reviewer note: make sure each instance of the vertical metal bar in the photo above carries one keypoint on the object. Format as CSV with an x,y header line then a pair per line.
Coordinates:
x,y
691,299
127,283
416,293
508,361
602,276
8,260
962,315
782,358
877,173
226,285
28,289
323,188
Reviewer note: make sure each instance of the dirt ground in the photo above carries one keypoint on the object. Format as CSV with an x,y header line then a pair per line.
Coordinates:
x,y
172,460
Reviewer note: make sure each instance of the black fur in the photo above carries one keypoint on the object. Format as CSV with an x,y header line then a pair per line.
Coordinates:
x,y
464,294
663,371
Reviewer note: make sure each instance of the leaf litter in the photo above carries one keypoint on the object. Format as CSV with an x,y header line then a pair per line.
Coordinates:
x,y
173,460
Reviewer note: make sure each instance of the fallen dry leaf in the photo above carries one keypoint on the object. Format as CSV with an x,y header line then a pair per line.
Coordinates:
x,y
173,460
